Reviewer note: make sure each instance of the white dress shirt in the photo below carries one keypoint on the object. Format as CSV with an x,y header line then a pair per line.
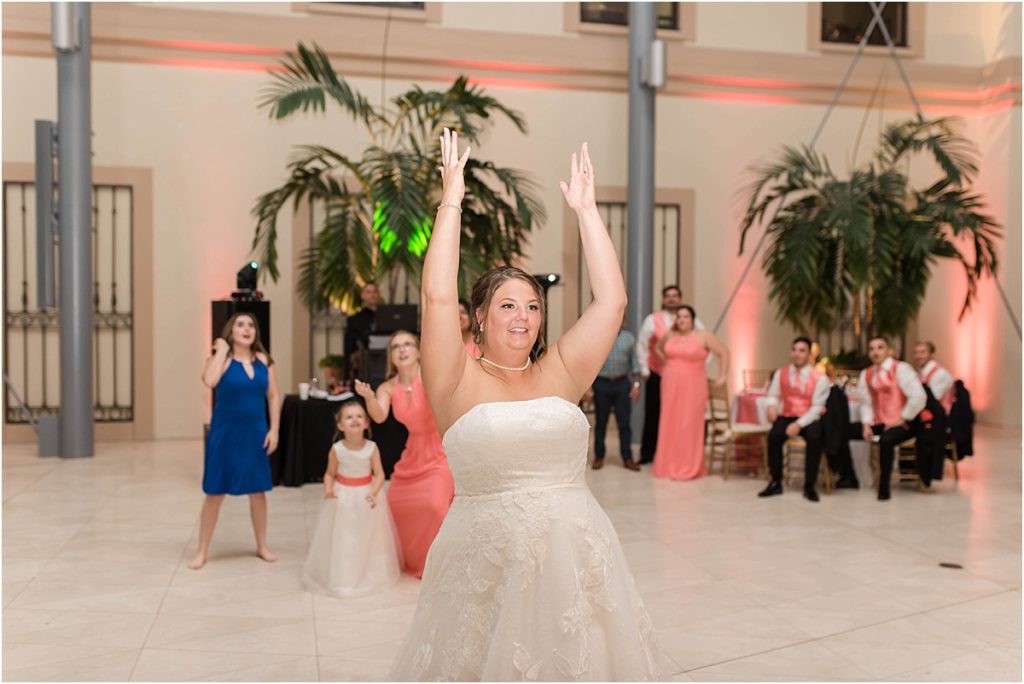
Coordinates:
x,y
941,382
643,341
910,385
798,379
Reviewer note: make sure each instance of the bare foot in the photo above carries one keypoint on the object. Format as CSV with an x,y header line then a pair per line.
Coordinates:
x,y
197,562
266,554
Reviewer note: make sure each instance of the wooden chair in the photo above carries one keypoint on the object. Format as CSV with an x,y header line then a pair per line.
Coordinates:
x,y
953,455
903,466
756,378
795,446
723,439
847,377
905,462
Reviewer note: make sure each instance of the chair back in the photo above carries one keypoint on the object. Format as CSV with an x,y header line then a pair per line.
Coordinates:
x,y
719,413
847,377
757,378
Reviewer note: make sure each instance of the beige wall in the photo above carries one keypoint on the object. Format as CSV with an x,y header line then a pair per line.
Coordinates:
x,y
972,33
740,26
212,152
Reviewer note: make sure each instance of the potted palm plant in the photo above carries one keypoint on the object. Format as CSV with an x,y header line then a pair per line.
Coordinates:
x,y
379,206
333,365
863,247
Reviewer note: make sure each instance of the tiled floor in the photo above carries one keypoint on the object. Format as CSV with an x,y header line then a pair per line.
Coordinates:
x,y
95,585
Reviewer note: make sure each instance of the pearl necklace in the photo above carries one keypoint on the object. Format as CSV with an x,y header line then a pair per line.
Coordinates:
x,y
506,368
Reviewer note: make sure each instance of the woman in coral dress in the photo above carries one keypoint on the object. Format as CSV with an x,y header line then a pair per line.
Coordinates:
x,y
684,397
421,488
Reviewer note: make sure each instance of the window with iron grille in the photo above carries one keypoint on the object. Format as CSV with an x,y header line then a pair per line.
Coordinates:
x,y
667,237
617,14
845,23
31,332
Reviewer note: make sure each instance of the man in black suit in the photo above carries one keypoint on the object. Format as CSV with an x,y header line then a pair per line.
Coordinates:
x,y
359,328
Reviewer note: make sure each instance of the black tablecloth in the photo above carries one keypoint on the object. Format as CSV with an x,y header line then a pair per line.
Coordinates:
x,y
305,436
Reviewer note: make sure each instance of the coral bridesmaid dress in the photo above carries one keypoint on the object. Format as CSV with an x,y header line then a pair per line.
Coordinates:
x,y
421,485
684,398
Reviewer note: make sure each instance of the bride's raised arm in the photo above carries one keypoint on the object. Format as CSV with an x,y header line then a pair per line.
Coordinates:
x,y
441,348
584,348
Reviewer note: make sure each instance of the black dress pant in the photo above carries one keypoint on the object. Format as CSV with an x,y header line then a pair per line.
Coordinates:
x,y
652,414
888,442
812,458
609,394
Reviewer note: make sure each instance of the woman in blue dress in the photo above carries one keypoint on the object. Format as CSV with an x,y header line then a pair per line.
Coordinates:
x,y
239,441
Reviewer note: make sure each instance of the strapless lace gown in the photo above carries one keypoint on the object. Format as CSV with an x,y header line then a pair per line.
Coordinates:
x,y
526,579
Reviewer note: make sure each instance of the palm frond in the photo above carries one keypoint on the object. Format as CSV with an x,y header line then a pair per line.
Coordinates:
x,y
463,106
312,176
305,83
870,237
338,263
955,155
800,171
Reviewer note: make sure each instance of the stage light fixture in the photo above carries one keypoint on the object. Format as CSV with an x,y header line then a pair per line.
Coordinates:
x,y
547,280
246,279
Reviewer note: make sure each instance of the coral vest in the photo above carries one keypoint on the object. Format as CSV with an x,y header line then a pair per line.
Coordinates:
x,y
946,399
795,401
660,328
887,399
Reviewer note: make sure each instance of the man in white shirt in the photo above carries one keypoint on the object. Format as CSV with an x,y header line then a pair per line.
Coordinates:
x,y
930,373
796,402
891,397
653,329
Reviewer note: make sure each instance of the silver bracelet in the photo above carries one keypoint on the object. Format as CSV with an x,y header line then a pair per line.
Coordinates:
x,y
453,206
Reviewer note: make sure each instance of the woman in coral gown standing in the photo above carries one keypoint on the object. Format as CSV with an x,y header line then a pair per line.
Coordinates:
x,y
684,397
421,485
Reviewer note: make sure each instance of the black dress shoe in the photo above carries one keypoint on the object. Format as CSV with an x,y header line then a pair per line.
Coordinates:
x,y
847,483
644,460
811,495
774,488
884,495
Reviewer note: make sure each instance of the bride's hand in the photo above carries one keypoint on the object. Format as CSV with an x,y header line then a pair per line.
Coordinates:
x,y
453,185
579,191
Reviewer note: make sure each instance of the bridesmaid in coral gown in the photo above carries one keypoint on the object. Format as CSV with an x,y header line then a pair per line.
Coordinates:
x,y
421,488
684,397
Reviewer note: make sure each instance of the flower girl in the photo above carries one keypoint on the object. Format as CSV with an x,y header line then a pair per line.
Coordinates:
x,y
353,551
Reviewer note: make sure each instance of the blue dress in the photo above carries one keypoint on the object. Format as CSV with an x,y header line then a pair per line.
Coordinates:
x,y
236,462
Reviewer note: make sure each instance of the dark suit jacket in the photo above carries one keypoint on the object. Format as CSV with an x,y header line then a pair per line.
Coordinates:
x,y
835,425
357,331
961,420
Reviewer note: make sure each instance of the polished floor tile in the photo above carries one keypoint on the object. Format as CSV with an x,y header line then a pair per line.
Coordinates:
x,y
96,586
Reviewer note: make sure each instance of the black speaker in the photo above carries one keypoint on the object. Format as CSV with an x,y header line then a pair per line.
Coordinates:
x,y
222,310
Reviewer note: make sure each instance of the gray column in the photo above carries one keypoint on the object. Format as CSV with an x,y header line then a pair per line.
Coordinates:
x,y
640,212
74,150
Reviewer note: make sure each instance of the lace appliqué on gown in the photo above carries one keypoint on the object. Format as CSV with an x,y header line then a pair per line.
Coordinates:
x,y
529,582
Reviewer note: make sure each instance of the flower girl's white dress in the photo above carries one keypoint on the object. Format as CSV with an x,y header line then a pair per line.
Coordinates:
x,y
353,551
526,579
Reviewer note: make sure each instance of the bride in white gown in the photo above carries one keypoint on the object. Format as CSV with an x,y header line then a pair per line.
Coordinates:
x,y
526,579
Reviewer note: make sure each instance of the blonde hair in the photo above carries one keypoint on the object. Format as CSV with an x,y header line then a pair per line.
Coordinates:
x,y
392,370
